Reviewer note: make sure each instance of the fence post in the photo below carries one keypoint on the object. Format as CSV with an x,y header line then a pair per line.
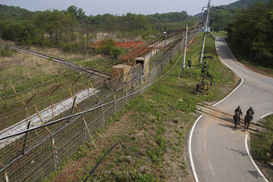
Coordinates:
x,y
126,99
87,129
84,130
140,83
102,116
115,109
25,141
6,176
55,156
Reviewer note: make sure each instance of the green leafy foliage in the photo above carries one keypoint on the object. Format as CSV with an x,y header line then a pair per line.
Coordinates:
x,y
145,178
6,52
251,30
222,15
71,30
107,47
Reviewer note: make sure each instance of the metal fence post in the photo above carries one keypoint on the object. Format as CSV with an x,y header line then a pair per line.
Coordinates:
x,y
115,109
102,116
126,99
84,130
6,176
55,153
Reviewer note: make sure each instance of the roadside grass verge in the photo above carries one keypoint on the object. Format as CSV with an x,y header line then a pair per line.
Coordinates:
x,y
221,33
153,127
244,59
261,142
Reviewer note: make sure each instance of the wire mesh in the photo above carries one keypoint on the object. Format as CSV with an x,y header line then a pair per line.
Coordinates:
x,y
34,155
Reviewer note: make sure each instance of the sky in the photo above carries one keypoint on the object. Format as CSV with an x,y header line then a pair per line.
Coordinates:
x,y
118,7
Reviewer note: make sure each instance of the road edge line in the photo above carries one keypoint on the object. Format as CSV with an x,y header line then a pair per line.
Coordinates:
x,y
271,113
251,159
242,80
196,121
190,151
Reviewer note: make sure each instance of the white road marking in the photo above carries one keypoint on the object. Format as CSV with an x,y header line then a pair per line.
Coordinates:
x,y
251,159
193,127
267,114
190,152
242,80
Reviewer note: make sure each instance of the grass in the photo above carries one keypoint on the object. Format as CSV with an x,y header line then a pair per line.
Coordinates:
x,y
155,125
21,68
6,52
100,64
261,142
244,59
32,76
221,33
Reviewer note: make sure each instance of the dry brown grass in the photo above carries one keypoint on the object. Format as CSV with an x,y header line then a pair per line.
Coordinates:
x,y
21,67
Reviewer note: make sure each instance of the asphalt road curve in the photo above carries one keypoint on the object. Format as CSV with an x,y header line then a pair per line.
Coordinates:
x,y
216,151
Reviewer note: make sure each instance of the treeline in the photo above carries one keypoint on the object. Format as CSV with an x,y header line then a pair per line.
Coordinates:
x,y
252,29
222,15
73,31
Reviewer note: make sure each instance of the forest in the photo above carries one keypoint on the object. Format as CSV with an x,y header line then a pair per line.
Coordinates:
x,y
72,30
222,15
248,22
252,30
249,26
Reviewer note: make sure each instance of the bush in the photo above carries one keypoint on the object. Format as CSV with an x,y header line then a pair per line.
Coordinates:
x,y
145,178
115,52
108,48
70,47
6,52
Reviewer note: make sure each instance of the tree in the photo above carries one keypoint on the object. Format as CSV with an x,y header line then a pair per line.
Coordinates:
x,y
252,30
220,19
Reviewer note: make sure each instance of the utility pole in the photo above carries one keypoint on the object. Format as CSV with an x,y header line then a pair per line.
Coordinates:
x,y
185,50
205,32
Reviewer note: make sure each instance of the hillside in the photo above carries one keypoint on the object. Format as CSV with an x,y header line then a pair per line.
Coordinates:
x,y
12,12
241,4
222,15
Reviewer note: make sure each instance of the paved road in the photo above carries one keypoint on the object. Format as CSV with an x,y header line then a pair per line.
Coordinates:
x,y
218,152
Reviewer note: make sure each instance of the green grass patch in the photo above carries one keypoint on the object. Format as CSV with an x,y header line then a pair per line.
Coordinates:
x,y
261,142
221,33
155,124
100,64
6,52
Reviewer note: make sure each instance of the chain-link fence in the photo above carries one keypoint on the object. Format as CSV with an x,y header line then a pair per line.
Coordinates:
x,y
44,141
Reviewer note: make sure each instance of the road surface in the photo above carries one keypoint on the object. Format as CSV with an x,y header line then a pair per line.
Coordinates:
x,y
216,151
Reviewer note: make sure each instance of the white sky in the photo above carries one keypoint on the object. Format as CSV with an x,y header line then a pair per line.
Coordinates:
x,y
118,7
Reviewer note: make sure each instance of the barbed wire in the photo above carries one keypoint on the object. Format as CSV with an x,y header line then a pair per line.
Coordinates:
x,y
68,130
94,108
